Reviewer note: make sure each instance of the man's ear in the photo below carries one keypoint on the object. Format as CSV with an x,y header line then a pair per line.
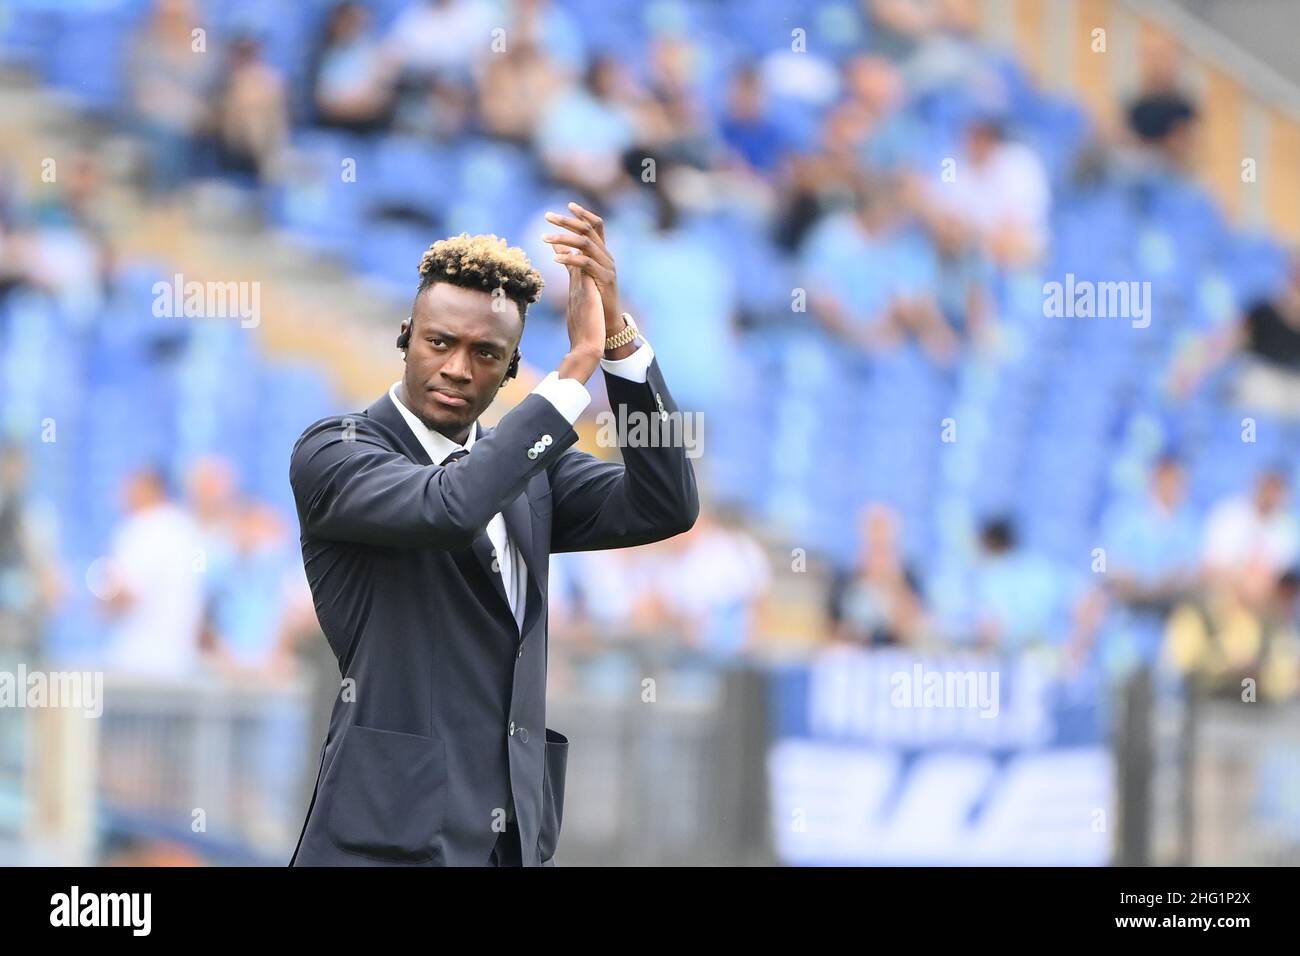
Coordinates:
x,y
404,335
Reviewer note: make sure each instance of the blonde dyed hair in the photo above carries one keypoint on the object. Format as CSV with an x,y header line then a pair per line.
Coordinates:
x,y
483,262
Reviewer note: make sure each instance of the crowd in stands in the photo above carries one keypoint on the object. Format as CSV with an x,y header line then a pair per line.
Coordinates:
x,y
826,222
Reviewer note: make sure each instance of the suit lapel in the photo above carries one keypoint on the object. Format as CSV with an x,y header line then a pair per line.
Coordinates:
x,y
386,413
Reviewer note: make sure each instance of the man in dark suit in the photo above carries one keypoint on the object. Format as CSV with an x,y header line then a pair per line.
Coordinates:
x,y
425,540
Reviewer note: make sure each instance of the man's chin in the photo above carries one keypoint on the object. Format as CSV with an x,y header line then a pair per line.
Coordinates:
x,y
443,419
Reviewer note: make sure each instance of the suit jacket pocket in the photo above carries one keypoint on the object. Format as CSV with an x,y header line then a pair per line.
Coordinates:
x,y
387,795
557,758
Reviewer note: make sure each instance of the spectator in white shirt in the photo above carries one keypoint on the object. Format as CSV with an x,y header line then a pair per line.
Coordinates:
x,y
445,37
1250,541
1000,191
712,583
154,589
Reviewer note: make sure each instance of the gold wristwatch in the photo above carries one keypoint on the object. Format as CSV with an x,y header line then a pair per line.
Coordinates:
x,y
623,337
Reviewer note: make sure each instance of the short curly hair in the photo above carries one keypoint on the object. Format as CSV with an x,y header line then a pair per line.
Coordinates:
x,y
482,262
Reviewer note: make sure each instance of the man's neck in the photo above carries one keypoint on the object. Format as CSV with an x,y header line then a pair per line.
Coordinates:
x,y
459,439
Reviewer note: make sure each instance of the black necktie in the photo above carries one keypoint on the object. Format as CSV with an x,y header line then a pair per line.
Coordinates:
x,y
456,455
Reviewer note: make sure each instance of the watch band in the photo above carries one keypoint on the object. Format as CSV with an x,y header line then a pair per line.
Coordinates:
x,y
623,337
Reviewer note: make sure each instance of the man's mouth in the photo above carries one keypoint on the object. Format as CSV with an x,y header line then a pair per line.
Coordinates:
x,y
452,399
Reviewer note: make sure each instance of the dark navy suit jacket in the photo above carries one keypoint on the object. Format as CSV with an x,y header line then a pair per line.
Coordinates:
x,y
441,716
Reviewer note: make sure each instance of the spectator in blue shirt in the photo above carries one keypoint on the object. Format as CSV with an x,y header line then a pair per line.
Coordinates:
x,y
1018,598
1152,549
1153,545
746,127
866,275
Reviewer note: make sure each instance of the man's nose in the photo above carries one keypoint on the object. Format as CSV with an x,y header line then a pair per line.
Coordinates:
x,y
457,367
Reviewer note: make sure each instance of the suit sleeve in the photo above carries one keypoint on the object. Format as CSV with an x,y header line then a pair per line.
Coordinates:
x,y
652,495
351,484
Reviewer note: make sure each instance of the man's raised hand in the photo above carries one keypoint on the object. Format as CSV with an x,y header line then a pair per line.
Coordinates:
x,y
585,314
585,250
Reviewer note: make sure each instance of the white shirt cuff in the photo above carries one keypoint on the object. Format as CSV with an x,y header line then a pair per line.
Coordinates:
x,y
569,396
635,366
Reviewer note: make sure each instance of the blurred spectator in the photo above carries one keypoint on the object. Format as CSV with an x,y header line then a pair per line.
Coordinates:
x,y
711,583
440,39
1162,117
999,191
898,25
552,29
1152,562
1250,540
515,88
252,112
31,585
1018,598
171,83
959,277
828,180
352,81
256,597
588,606
1243,624
154,590
746,126
672,116
949,57
875,86
435,47
1151,545
544,53
1269,339
801,82
582,133
878,602
1264,341
1164,123
864,272
211,487
1226,647
65,247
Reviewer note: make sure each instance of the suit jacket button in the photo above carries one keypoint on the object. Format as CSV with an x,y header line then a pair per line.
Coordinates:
x,y
547,439
532,453
512,728
523,734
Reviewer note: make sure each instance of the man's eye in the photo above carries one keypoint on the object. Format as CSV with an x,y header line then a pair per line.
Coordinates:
x,y
486,354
